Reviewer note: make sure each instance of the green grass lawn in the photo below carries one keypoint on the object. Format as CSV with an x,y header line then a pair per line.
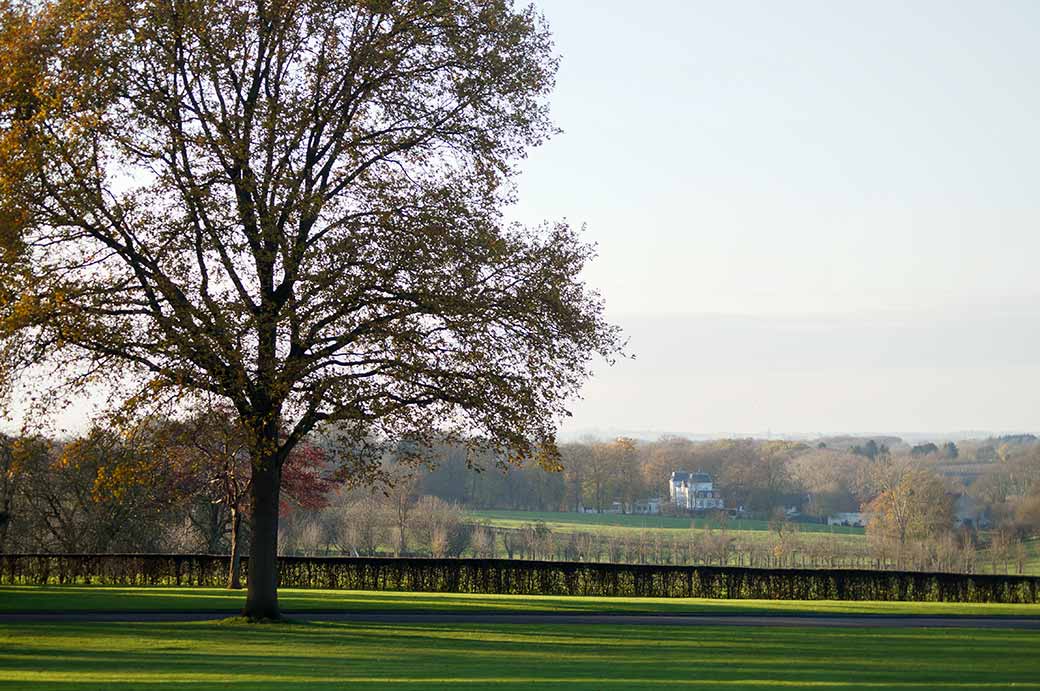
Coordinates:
x,y
232,655
104,598
748,531
1033,564
569,522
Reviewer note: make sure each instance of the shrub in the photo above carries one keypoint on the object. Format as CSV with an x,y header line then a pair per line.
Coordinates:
x,y
505,576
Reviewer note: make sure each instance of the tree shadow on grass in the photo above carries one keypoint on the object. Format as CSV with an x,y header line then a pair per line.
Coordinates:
x,y
317,655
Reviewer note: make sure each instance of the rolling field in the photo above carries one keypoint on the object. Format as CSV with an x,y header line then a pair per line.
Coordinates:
x,y
746,531
847,541
606,522
322,655
104,598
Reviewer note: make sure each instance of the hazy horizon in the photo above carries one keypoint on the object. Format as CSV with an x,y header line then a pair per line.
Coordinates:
x,y
811,217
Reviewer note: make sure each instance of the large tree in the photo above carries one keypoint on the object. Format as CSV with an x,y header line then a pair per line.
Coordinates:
x,y
213,449
295,206
915,505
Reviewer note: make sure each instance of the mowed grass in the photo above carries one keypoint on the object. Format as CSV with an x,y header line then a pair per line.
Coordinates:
x,y
285,657
610,523
104,598
1032,564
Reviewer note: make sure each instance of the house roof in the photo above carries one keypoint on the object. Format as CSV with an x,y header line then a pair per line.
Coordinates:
x,y
684,476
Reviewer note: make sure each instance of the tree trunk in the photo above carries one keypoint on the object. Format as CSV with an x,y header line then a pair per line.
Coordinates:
x,y
5,518
5,521
215,528
262,594
234,572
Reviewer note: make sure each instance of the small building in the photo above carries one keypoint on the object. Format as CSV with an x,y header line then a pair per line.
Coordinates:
x,y
849,518
794,504
970,513
694,491
648,506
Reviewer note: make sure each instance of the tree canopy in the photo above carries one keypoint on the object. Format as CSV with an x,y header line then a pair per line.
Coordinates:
x,y
294,206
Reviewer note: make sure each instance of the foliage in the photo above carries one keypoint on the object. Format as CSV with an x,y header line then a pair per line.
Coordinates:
x,y
914,506
920,450
294,207
527,486
829,478
513,576
322,178
161,486
367,523
872,450
100,492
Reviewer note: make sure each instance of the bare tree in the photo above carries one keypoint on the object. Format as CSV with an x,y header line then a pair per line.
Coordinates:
x,y
8,485
913,504
401,494
512,542
441,527
362,526
482,542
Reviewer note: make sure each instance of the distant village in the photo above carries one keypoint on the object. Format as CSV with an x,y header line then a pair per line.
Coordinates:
x,y
687,492
695,493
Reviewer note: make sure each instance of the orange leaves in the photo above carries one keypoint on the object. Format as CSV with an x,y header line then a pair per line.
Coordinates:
x,y
114,464
915,506
295,208
548,457
20,451
23,93
23,58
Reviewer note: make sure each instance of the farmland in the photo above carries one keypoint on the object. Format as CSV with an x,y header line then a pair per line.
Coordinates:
x,y
848,544
676,539
619,523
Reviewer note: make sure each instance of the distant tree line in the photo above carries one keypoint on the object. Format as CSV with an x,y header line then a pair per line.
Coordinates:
x,y
180,487
160,486
602,475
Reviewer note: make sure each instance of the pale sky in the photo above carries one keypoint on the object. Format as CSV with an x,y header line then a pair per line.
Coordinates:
x,y
811,216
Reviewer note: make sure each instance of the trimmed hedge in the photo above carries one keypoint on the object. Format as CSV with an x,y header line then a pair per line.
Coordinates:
x,y
520,577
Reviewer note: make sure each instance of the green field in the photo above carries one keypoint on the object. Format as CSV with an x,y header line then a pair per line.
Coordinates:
x,y
570,522
1033,550
232,655
326,655
103,598
747,532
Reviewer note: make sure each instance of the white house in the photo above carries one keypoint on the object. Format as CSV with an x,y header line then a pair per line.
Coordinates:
x,y
694,491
